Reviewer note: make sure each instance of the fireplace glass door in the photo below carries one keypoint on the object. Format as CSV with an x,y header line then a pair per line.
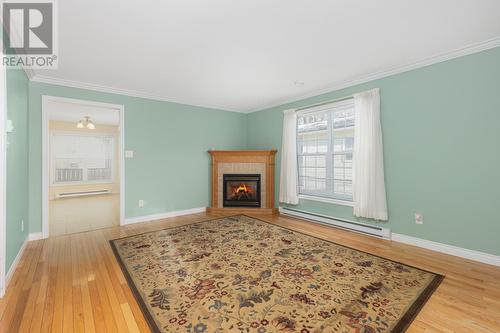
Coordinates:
x,y
241,190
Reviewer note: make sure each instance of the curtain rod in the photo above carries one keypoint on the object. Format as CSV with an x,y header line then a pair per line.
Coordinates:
x,y
323,103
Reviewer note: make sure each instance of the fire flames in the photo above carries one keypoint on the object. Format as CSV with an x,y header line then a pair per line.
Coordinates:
x,y
241,192
242,188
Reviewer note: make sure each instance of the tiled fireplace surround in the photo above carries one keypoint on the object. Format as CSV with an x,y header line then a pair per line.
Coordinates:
x,y
243,162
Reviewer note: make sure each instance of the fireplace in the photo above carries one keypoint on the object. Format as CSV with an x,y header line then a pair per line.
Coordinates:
x,y
241,190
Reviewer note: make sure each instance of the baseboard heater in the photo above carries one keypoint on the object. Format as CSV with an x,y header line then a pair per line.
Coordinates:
x,y
82,193
339,223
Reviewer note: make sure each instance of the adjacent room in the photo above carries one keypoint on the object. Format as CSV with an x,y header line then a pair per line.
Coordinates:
x,y
82,150
250,166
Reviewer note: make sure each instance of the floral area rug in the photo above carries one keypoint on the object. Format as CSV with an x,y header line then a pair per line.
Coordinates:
x,y
240,274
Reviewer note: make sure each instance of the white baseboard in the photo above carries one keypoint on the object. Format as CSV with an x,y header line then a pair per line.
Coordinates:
x,y
448,249
366,229
35,236
13,267
483,257
146,218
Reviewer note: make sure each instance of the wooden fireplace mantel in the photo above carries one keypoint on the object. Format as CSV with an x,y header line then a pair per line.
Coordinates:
x,y
244,156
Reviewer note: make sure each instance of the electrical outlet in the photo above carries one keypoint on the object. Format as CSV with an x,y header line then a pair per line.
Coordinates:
x,y
129,154
419,218
22,225
141,203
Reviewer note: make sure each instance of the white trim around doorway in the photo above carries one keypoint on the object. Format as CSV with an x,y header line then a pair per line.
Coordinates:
x,y
3,177
45,157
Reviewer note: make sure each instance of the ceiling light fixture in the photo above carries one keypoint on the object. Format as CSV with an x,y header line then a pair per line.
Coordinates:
x,y
85,122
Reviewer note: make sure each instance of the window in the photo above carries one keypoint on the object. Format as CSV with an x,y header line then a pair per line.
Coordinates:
x,y
325,140
80,158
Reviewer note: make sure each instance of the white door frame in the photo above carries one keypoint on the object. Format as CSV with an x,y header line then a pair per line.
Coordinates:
x,y
46,159
3,177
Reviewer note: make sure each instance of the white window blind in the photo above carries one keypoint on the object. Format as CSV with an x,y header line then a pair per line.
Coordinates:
x,y
81,158
325,140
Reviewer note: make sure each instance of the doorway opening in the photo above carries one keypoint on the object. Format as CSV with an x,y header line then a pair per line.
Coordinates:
x,y
83,165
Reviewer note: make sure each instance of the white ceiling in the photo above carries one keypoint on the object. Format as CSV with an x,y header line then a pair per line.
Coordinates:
x,y
246,55
71,112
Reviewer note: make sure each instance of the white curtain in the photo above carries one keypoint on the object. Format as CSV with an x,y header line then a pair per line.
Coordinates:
x,y
368,180
288,175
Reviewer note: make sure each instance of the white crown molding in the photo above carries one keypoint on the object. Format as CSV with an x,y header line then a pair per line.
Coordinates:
x,y
483,257
30,73
470,49
119,91
160,216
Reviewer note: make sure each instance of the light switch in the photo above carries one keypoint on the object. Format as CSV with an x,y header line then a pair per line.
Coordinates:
x,y
9,126
129,154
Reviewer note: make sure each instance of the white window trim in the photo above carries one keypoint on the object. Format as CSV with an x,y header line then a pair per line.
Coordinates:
x,y
326,200
86,182
313,109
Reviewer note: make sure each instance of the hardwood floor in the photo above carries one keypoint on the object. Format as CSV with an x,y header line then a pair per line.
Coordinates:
x,y
73,283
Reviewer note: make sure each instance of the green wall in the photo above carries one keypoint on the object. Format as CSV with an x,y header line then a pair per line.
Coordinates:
x,y
170,168
441,131
17,163
440,127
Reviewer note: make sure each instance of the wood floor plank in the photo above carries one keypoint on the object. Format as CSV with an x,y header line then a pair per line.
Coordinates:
x,y
57,311
17,294
107,312
26,285
78,318
68,318
43,297
73,283
129,317
82,281
97,312
32,284
109,285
